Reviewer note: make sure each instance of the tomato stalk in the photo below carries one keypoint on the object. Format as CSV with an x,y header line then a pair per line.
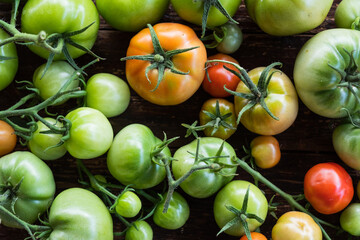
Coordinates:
x,y
290,199
356,24
160,59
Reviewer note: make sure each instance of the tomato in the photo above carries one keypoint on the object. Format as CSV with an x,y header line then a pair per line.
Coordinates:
x,y
36,190
79,214
107,93
347,14
7,138
42,144
219,115
54,78
231,38
128,205
206,182
133,15
173,88
130,157
350,219
139,230
61,16
233,195
280,97
328,187
219,76
346,142
91,133
297,226
8,67
266,151
254,236
177,214
284,18
324,75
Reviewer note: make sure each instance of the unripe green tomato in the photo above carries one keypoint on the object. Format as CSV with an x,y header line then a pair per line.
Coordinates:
x,y
128,205
350,219
142,231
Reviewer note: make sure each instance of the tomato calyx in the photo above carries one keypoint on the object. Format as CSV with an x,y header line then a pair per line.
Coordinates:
x,y
160,59
356,24
9,193
241,216
156,156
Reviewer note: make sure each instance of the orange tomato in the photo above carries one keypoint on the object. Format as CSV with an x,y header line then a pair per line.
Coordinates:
x,y
7,138
254,236
266,151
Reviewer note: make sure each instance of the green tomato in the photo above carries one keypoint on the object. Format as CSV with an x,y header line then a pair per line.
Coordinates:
x,y
131,16
346,13
232,38
322,88
130,157
91,133
61,16
192,11
203,183
128,205
350,219
176,215
8,68
79,214
284,17
107,93
37,186
54,78
139,230
233,195
41,144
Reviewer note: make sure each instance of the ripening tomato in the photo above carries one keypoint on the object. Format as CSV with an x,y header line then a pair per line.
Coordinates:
x,y
254,236
266,151
7,138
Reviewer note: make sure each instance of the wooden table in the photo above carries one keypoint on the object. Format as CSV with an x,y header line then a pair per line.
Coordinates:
x,y
306,143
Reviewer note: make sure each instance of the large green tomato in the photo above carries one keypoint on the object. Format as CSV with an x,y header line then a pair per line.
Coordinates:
x,y
91,133
37,186
206,182
347,12
233,194
54,78
288,17
61,16
131,15
192,11
324,90
350,219
8,68
79,214
130,157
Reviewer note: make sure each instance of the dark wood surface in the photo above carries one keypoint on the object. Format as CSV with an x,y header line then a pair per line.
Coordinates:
x,y
306,143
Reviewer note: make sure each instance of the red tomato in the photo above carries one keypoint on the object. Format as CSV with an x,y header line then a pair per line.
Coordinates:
x,y
7,138
219,76
328,188
254,236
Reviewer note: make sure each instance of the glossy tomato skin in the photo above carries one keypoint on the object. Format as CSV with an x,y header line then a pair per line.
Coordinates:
x,y
254,236
350,219
174,88
139,230
232,39
8,68
192,11
296,225
40,143
346,142
129,159
328,187
54,78
128,205
232,194
177,214
37,187
281,99
317,83
107,93
225,107
77,213
131,16
61,16
284,18
91,133
346,13
7,138
203,183
266,151
220,77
